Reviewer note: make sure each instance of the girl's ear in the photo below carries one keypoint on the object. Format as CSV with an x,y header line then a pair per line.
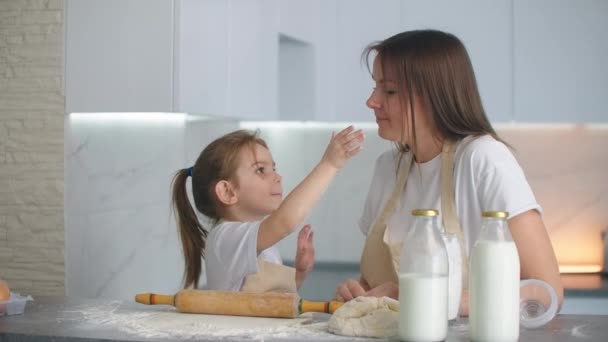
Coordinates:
x,y
224,190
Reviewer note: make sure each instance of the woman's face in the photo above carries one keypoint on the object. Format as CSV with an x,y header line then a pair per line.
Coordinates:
x,y
390,110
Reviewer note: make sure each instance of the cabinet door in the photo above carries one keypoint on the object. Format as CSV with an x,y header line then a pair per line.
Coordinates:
x,y
299,32
201,59
560,61
253,59
119,55
485,28
358,25
227,58
300,19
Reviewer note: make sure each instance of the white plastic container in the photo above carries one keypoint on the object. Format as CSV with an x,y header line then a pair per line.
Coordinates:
x,y
15,305
423,281
494,282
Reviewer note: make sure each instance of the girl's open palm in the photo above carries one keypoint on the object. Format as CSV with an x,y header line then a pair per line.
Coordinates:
x,y
305,255
343,146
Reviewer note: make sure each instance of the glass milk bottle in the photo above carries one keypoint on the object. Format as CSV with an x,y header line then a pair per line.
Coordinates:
x,y
494,282
423,281
452,245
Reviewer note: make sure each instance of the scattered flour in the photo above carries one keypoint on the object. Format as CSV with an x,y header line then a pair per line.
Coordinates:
x,y
577,331
172,324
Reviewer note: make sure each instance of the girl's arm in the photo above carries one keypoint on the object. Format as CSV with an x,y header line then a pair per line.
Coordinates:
x,y
298,204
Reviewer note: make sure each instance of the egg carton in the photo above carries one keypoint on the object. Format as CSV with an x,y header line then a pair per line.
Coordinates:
x,y
15,305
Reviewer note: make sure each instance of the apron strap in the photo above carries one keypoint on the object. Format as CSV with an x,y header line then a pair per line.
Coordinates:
x,y
448,216
377,261
375,246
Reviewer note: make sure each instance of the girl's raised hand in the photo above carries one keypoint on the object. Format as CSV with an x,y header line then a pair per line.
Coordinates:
x,y
305,255
342,146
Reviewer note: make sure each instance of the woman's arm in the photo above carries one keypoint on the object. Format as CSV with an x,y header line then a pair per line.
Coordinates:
x,y
536,255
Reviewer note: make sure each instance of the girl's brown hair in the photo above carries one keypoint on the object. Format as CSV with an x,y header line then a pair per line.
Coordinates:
x,y
434,66
218,161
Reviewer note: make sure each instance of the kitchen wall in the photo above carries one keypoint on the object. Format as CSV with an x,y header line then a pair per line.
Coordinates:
x,y
31,146
122,239
564,163
120,235
117,225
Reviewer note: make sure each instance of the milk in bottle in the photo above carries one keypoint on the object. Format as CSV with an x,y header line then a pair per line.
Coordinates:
x,y
423,281
494,282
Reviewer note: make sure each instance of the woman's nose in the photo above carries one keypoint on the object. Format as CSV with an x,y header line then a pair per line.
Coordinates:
x,y
373,101
278,177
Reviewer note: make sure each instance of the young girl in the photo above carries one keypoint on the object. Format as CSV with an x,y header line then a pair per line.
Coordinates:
x,y
236,186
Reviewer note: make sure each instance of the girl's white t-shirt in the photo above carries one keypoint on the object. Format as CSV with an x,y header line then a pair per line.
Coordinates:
x,y
487,177
231,255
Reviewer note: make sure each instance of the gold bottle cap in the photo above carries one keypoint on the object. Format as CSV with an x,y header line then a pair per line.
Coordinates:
x,y
495,214
425,212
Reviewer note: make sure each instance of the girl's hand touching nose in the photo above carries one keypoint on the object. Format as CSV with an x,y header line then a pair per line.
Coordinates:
x,y
343,146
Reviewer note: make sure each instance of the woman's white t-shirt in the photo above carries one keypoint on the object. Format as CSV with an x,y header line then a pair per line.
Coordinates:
x,y
231,255
487,177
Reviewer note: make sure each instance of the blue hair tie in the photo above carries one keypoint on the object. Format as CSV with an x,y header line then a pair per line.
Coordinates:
x,y
190,171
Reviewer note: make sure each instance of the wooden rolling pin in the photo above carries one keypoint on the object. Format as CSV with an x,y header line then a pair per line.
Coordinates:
x,y
268,304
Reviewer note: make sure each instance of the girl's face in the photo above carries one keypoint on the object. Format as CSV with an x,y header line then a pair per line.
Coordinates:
x,y
258,185
389,108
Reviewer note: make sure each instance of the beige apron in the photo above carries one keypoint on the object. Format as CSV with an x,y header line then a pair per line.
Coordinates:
x,y
271,277
380,260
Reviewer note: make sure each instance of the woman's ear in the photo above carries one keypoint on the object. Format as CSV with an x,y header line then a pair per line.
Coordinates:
x,y
224,190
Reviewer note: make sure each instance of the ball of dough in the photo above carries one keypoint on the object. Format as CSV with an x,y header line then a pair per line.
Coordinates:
x,y
366,317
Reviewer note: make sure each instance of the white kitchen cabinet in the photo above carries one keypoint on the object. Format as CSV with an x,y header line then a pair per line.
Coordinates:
x,y
226,56
118,56
355,29
357,24
210,57
560,61
253,54
299,34
300,19
202,60
485,28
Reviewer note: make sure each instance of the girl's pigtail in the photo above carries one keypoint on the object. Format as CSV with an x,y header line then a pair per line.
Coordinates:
x,y
191,231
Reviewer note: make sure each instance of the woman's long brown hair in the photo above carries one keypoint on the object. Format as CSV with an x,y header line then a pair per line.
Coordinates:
x,y
435,67
218,161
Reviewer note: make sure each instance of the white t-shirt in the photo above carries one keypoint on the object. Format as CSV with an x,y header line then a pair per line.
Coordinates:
x,y
486,178
231,254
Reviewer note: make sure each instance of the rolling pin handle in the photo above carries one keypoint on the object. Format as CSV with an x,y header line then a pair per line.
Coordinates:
x,y
154,299
326,307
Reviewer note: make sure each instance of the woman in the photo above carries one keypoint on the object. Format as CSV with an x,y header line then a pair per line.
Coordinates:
x,y
448,157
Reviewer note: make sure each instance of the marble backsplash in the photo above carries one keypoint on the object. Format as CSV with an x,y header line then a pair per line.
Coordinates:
x,y
121,238
120,235
567,167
